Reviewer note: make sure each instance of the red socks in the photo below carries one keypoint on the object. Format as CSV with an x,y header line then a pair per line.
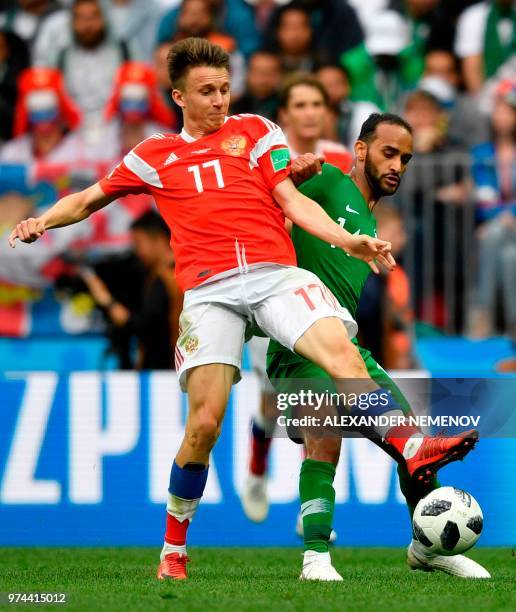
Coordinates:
x,y
259,451
175,533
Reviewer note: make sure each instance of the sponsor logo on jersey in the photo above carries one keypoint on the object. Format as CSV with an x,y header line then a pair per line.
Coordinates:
x,y
351,210
234,145
199,151
171,159
280,159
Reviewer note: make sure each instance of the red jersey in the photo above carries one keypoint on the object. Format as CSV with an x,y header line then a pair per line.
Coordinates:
x,y
215,195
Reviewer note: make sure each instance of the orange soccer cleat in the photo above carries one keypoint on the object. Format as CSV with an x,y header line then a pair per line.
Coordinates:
x,y
435,452
173,567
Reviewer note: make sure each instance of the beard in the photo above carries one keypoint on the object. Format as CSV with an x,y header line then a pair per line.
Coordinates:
x,y
91,40
375,180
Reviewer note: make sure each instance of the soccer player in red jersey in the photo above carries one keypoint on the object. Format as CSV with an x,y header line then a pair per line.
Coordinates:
x,y
223,187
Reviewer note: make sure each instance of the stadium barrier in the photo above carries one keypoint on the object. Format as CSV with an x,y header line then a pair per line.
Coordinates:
x,y
437,204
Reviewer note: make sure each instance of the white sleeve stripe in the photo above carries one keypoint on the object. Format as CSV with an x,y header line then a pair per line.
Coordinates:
x,y
271,139
142,169
269,124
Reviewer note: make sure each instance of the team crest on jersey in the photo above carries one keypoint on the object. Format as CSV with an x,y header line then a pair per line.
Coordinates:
x,y
234,145
191,344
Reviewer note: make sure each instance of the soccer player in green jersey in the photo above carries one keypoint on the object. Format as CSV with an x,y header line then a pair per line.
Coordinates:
x,y
382,153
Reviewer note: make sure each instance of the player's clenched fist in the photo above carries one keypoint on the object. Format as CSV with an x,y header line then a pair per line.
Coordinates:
x,y
27,230
371,250
305,166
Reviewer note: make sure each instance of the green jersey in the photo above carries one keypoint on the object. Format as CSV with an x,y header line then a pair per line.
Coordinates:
x,y
343,202
344,275
341,199
338,195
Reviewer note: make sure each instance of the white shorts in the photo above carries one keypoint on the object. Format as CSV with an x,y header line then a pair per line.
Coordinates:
x,y
283,301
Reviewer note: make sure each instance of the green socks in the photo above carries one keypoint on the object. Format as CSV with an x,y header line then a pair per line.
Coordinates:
x,y
318,500
317,503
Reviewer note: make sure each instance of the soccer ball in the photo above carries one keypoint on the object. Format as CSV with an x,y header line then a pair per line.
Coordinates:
x,y
448,521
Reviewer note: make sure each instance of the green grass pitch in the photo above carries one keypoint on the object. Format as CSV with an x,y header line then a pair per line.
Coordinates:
x,y
239,579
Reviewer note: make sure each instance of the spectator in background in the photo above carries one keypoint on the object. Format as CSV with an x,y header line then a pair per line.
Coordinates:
x,y
50,155
155,323
337,37
494,175
197,18
262,85
345,116
429,28
337,33
428,120
368,11
486,39
14,57
398,41
433,195
302,114
441,77
134,22
163,80
292,39
90,59
28,16
385,317
387,36
236,17
263,10
44,121
137,107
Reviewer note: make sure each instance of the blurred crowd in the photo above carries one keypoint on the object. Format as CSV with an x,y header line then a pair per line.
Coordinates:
x,y
83,81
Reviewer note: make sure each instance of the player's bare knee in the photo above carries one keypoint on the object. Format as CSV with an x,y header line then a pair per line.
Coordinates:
x,y
203,431
325,448
343,360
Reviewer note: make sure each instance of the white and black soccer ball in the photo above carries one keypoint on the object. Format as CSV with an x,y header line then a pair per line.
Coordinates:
x,y
448,521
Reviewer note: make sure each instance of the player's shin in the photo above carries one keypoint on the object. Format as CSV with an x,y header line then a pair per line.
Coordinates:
x,y
317,503
184,494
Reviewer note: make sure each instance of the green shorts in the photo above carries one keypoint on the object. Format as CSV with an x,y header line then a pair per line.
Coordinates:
x,y
283,367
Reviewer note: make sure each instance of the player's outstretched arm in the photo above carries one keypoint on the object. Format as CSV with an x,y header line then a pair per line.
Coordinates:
x,y
308,215
66,211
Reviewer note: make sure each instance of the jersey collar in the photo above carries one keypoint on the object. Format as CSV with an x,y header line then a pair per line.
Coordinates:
x,y
188,138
